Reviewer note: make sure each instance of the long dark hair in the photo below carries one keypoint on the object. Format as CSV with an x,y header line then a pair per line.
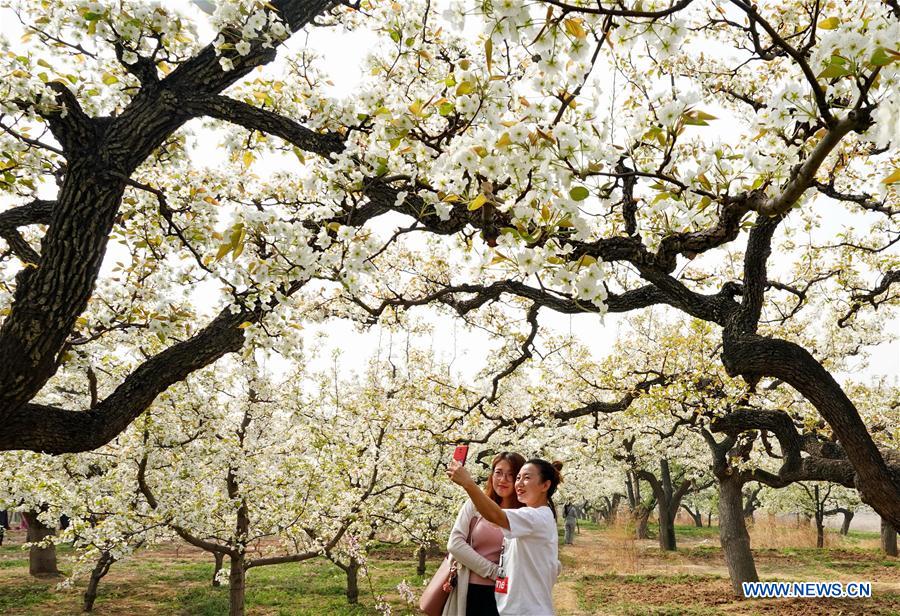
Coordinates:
x,y
516,462
549,471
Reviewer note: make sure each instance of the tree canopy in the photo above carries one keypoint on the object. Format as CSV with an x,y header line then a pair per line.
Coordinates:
x,y
578,156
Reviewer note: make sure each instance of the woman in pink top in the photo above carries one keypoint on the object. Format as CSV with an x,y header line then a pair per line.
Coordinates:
x,y
478,557
530,564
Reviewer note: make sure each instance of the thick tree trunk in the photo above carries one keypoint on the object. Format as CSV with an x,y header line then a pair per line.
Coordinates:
x,y
667,507
709,518
612,510
352,572
845,525
105,561
641,522
733,535
629,491
820,531
888,538
41,561
220,557
756,356
666,527
237,586
848,517
697,516
668,501
101,153
751,502
420,556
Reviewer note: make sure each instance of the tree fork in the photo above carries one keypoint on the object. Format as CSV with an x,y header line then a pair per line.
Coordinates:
x,y
101,154
754,356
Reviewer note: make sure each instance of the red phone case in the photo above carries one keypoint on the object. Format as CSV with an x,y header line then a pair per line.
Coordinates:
x,y
460,453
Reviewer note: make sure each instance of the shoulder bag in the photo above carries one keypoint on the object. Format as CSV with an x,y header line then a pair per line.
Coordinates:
x,y
442,583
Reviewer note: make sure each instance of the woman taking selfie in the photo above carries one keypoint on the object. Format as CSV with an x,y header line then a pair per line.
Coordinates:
x,y
476,544
529,563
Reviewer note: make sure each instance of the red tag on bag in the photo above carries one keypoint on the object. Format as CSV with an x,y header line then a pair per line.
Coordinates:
x,y
502,585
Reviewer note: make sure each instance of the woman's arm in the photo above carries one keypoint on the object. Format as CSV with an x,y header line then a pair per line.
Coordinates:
x,y
490,510
462,551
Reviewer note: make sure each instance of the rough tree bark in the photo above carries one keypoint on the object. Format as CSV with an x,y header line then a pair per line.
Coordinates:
x,y
351,571
41,560
668,501
751,501
697,515
819,516
848,518
421,553
640,511
105,561
609,510
101,153
237,579
733,533
220,559
888,538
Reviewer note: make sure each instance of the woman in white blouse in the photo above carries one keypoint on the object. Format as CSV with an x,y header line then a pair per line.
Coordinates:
x,y
529,564
476,544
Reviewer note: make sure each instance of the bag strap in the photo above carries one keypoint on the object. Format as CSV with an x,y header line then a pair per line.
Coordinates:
x,y
472,523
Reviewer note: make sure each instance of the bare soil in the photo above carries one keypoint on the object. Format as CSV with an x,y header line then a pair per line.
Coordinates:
x,y
607,573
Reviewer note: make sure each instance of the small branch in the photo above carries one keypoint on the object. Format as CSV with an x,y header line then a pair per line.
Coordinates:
x,y
864,200
818,93
869,297
600,10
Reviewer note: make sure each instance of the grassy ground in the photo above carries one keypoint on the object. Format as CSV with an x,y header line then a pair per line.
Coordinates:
x,y
606,572
610,573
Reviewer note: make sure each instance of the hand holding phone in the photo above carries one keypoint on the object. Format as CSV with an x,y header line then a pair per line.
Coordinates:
x,y
460,453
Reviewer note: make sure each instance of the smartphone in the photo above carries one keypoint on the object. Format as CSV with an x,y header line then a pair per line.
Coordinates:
x,y
460,453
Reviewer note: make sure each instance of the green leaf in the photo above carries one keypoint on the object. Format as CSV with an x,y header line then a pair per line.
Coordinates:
x,y
466,87
695,117
109,79
834,71
882,58
829,24
837,67
660,196
579,193
488,52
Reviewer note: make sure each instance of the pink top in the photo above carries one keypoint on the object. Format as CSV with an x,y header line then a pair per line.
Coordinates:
x,y
487,540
